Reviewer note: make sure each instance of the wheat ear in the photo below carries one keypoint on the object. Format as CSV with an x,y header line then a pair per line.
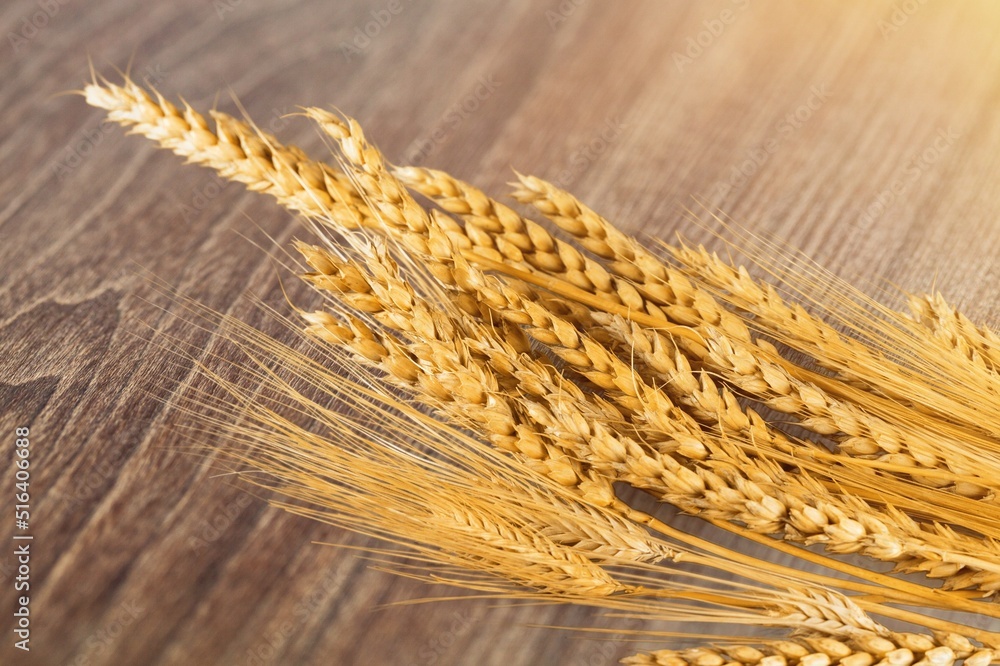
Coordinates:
x,y
830,629
952,331
237,150
814,651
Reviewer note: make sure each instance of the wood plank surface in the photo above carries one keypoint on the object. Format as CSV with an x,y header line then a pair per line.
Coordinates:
x,y
866,133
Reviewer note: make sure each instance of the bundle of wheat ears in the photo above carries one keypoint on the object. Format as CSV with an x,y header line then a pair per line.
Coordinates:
x,y
478,386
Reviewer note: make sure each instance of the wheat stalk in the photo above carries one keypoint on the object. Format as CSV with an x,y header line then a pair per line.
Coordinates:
x,y
241,153
629,396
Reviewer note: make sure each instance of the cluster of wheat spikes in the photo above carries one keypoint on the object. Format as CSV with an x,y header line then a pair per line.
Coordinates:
x,y
503,379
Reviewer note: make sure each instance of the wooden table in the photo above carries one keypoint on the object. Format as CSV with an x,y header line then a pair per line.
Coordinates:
x,y
865,133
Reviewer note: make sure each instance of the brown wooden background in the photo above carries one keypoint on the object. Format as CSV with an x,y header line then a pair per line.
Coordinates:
x,y
142,555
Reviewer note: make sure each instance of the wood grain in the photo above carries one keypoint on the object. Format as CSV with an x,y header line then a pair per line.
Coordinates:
x,y
142,554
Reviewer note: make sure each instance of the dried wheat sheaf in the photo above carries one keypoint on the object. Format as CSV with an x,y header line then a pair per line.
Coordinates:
x,y
477,386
